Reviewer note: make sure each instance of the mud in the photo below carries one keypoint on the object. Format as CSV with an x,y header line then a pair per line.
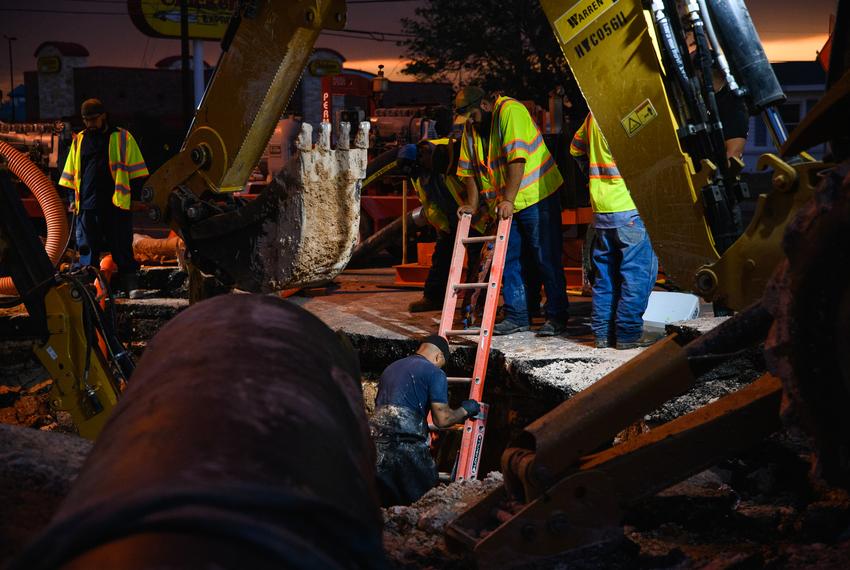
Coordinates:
x,y
413,535
36,473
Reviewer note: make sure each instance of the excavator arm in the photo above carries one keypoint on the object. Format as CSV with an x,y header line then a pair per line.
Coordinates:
x,y
303,228
659,119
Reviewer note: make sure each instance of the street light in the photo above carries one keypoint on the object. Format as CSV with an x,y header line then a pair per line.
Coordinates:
x,y
11,75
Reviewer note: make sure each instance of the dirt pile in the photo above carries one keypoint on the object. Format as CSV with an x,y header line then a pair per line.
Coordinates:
x,y
758,510
30,407
413,535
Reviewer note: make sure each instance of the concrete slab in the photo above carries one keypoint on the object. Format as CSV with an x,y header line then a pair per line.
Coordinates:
x,y
365,305
363,302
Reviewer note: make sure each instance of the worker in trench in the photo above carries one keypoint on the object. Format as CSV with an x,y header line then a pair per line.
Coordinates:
x,y
431,165
407,390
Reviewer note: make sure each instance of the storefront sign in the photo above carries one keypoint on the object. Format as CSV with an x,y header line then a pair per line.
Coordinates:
x,y
323,67
49,64
208,19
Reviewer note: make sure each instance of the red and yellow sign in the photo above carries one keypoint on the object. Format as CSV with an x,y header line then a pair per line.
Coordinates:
x,y
208,19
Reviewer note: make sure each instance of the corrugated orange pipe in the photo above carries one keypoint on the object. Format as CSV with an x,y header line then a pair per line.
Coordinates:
x,y
156,250
47,197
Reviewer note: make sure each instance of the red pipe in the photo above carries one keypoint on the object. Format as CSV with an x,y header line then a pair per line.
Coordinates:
x,y
47,197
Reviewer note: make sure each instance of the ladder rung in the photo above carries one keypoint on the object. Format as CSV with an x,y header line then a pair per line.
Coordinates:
x,y
481,239
471,286
463,332
432,427
458,379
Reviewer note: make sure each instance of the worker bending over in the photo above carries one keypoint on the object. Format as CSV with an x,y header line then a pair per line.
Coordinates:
x,y
440,194
101,164
503,149
624,265
407,390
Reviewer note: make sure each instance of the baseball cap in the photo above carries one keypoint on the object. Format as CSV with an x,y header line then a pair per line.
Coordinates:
x,y
440,343
92,108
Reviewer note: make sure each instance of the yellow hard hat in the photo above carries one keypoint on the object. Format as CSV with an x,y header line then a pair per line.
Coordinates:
x,y
467,99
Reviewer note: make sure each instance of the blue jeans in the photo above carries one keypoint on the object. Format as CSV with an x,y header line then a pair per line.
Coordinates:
x,y
625,268
106,228
536,232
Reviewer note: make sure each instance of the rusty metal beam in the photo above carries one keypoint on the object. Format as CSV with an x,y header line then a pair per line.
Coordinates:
x,y
584,507
595,415
670,453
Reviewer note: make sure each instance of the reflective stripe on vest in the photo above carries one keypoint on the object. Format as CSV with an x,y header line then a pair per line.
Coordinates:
x,y
513,135
608,190
125,164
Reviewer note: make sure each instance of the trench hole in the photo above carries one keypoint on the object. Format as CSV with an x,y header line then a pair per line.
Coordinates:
x,y
517,394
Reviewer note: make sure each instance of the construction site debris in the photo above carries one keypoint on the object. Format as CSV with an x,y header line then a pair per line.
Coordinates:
x,y
36,472
413,535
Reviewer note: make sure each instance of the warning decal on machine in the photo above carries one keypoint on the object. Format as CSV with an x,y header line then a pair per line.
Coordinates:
x,y
639,118
577,18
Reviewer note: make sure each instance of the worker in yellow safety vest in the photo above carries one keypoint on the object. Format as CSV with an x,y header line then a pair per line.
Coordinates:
x,y
431,164
503,149
624,265
103,163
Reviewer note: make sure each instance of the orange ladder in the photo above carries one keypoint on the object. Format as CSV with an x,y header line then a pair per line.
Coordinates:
x,y
473,429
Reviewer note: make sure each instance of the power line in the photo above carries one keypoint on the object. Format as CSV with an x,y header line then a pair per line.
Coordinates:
x,y
377,33
349,2
69,12
366,38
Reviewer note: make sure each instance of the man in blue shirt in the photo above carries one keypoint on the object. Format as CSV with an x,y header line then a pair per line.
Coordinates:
x,y
407,390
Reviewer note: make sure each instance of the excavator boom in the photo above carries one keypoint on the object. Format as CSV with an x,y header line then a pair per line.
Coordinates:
x,y
643,89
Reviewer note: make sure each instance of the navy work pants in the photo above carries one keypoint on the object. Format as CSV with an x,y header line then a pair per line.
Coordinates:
x,y
625,268
441,260
106,228
536,232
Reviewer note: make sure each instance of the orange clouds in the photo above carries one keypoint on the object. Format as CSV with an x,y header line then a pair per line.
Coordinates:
x,y
794,48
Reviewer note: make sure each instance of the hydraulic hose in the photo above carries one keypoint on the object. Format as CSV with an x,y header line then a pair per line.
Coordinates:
x,y
49,201
718,50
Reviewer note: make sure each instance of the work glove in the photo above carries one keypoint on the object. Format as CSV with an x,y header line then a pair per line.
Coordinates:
x,y
472,408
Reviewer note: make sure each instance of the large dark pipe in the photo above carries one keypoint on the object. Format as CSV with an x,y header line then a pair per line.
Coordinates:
x,y
745,53
242,442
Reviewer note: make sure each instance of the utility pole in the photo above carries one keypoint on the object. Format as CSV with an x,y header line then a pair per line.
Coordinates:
x,y
11,75
184,63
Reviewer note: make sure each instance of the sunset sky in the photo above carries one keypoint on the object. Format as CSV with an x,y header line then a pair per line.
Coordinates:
x,y
790,30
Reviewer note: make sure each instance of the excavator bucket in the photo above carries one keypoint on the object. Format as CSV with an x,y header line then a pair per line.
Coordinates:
x,y
299,232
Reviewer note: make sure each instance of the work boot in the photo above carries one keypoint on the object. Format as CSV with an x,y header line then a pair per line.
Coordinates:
x,y
646,339
424,304
602,343
509,327
552,327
